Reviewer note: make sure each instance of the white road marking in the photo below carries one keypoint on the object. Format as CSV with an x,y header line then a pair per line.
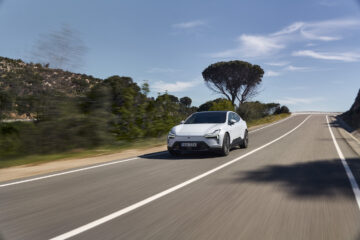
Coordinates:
x,y
67,172
349,174
164,193
271,124
314,113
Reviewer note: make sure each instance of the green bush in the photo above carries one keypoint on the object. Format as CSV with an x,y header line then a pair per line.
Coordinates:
x,y
222,105
256,110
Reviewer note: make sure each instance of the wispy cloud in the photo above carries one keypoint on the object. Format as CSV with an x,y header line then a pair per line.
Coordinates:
x,y
277,64
178,86
298,101
343,56
286,68
271,73
289,29
328,30
295,68
269,44
252,46
162,70
190,24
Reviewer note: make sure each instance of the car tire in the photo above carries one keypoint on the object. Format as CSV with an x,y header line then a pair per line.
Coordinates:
x,y
226,145
245,142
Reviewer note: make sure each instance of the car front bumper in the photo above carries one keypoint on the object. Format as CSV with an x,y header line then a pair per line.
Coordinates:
x,y
202,143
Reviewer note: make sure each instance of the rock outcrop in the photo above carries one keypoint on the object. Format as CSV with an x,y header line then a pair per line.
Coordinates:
x,y
352,117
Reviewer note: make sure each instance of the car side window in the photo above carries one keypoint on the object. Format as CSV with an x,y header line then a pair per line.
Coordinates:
x,y
237,117
231,116
234,116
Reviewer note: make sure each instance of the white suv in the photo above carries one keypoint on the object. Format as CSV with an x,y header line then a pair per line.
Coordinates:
x,y
204,131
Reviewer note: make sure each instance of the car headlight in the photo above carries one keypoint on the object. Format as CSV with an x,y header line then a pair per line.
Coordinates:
x,y
214,134
171,134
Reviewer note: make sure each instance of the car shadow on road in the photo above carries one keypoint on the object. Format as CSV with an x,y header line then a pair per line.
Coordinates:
x,y
323,178
184,156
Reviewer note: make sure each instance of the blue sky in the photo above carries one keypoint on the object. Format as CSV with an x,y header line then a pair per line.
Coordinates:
x,y
309,49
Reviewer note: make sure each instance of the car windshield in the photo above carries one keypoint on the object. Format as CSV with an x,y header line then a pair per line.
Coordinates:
x,y
206,117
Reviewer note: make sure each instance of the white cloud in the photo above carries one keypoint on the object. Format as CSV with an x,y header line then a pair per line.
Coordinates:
x,y
323,30
294,68
343,56
259,45
269,44
299,101
178,86
289,29
190,24
289,68
162,70
252,46
272,73
277,64
311,35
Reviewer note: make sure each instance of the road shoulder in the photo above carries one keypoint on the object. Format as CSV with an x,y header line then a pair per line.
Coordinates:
x,y
28,170
348,134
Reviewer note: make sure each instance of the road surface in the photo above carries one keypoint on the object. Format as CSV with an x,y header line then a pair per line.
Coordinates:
x,y
289,184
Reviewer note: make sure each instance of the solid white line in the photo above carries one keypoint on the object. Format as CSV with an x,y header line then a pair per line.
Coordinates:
x,y
349,174
314,113
164,193
271,124
67,172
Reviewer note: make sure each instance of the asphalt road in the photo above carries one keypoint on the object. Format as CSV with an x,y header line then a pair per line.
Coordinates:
x,y
289,184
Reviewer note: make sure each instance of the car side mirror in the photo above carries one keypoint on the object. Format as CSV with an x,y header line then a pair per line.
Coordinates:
x,y
232,121
182,122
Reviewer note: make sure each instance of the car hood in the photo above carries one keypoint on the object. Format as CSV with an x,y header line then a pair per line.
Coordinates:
x,y
196,129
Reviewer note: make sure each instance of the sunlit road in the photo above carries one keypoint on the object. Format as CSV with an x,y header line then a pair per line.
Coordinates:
x,y
289,184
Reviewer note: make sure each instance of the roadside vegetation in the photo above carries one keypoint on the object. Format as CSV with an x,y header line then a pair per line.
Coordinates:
x,y
267,119
76,115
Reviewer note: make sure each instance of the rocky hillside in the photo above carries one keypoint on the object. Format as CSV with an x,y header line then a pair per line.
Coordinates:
x,y
352,116
21,83
23,76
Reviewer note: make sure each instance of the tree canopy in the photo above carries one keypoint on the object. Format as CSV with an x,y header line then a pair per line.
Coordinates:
x,y
236,80
219,104
186,101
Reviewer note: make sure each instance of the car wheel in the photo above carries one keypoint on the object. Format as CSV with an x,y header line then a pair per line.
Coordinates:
x,y
245,142
226,145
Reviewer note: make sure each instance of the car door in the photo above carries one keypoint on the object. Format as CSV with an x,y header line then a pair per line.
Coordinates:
x,y
233,127
240,125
